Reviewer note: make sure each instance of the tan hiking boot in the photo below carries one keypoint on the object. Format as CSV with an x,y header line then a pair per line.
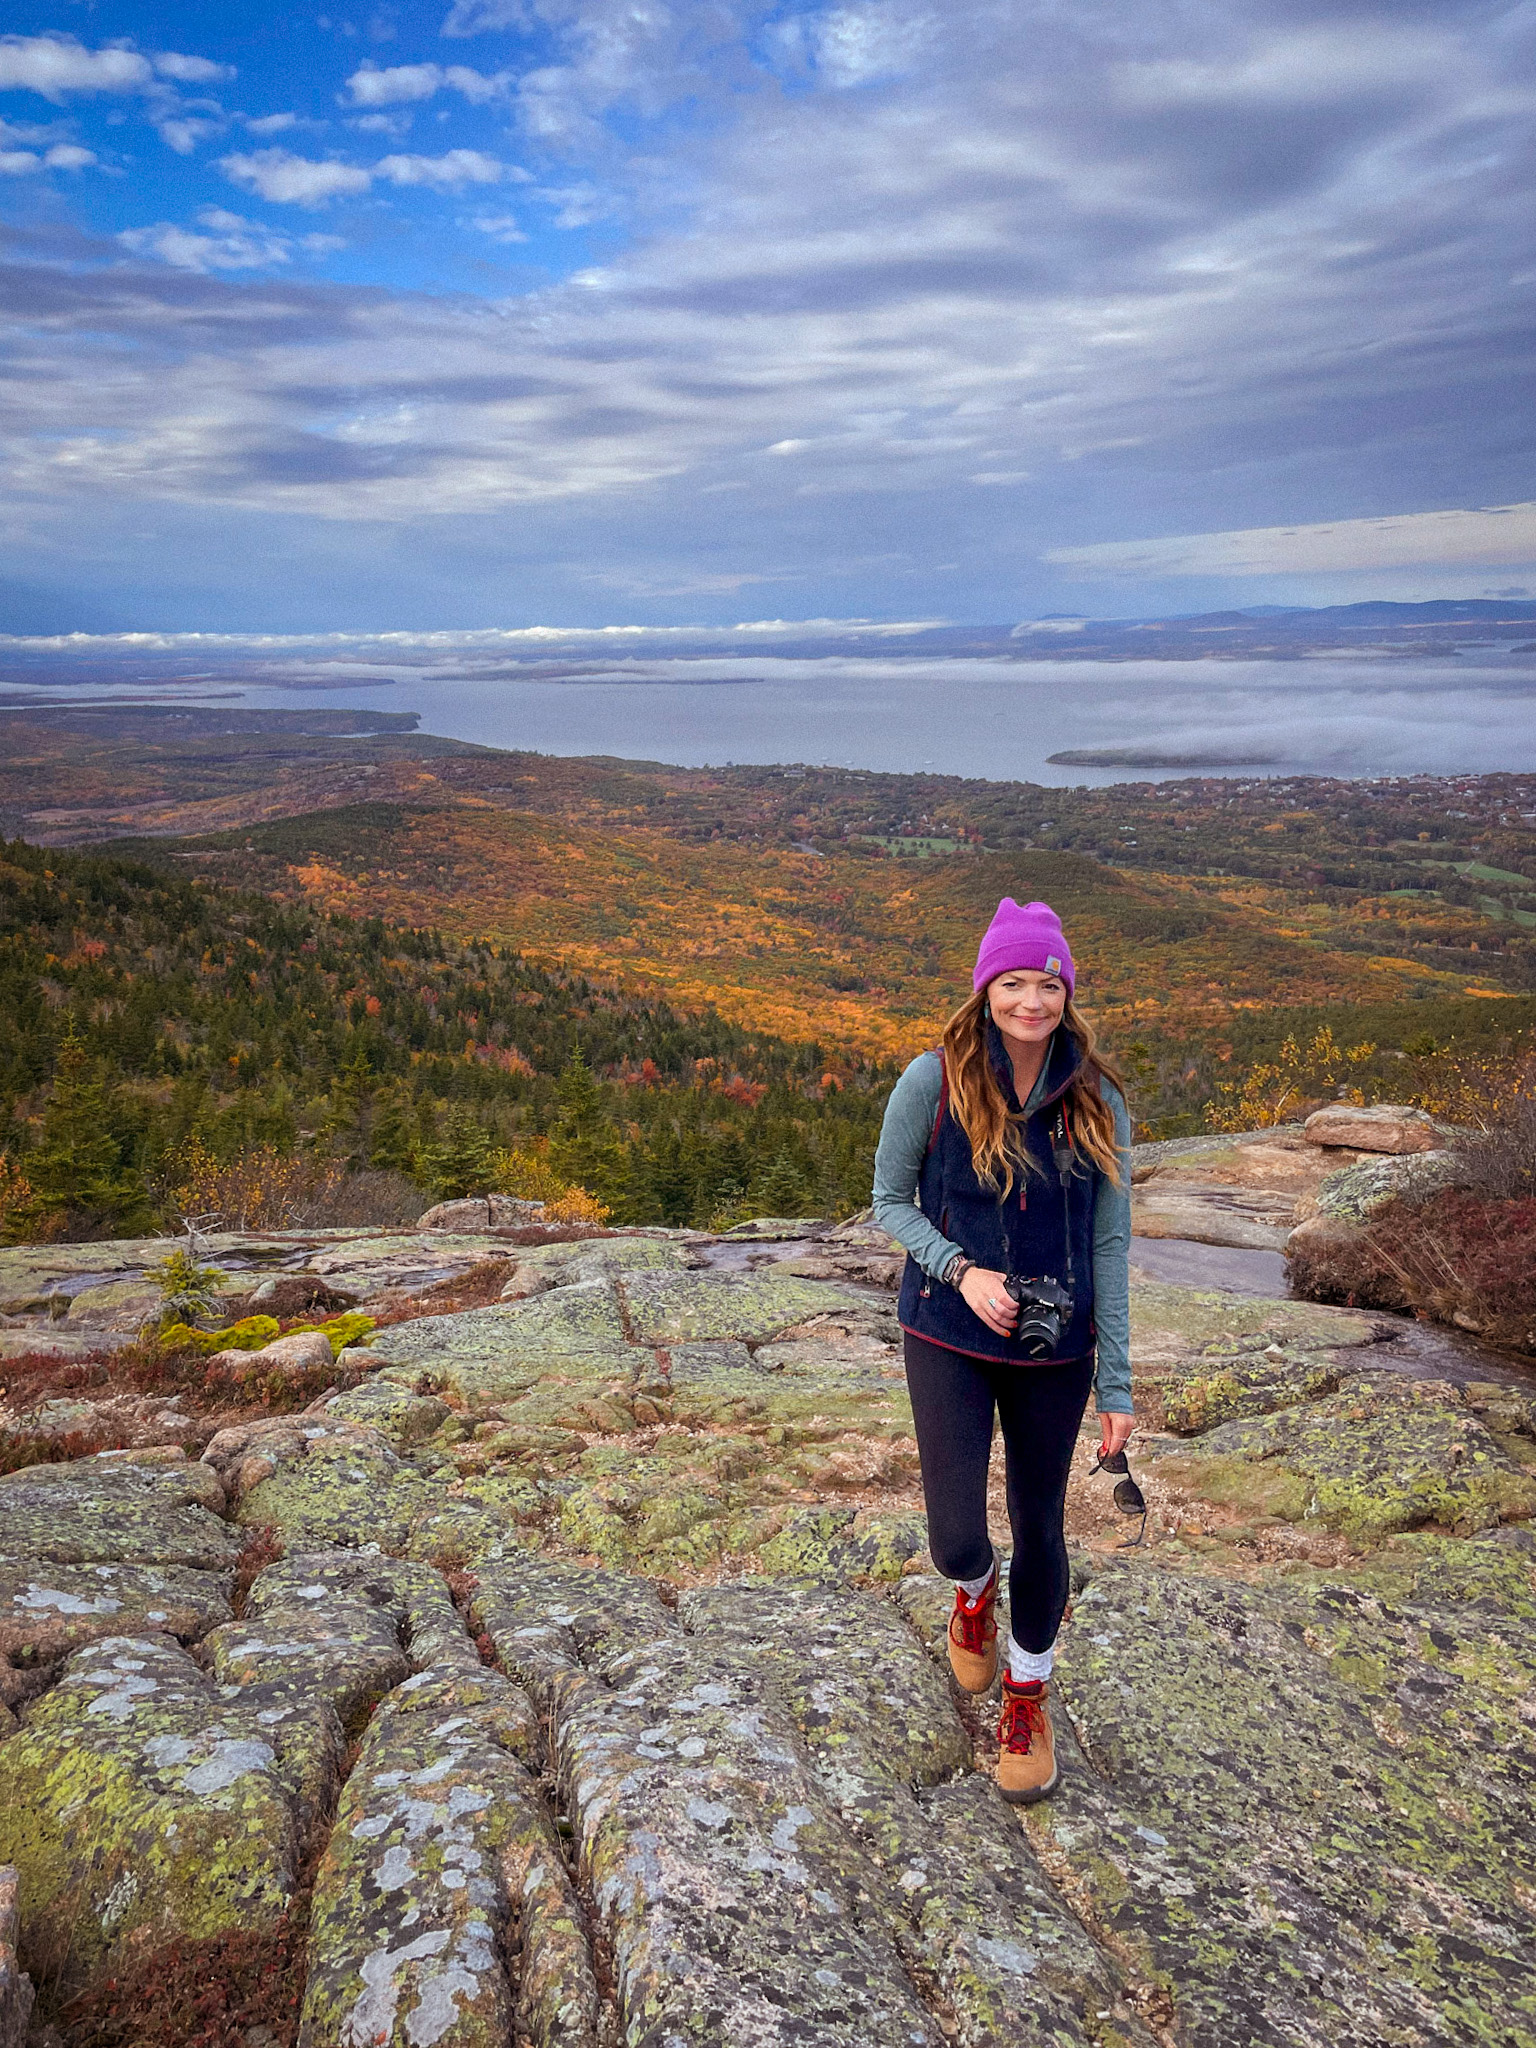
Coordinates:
x,y
973,1636
1026,1758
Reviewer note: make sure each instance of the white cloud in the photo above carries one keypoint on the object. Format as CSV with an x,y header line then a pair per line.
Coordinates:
x,y
229,242
577,206
1452,540
402,84
279,176
477,17
25,133
184,132
501,227
448,173
191,70
288,180
64,156
856,45
371,87
271,124
54,65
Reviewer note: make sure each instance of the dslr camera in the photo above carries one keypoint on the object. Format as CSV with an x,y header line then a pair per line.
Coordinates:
x,y
1045,1309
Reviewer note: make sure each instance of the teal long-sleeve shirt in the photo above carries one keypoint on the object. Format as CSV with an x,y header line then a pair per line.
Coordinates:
x,y
899,1159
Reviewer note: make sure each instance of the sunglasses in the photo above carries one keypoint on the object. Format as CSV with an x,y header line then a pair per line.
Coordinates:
x,y
1129,1498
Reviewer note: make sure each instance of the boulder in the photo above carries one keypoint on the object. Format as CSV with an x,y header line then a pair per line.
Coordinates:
x,y
1357,1191
480,1212
1381,1127
300,1350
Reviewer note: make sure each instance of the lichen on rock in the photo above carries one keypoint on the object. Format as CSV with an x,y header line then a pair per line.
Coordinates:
x,y
441,1848
202,1801
1306,1811
1383,1453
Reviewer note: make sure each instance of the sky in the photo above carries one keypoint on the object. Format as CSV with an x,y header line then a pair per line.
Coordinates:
x,y
501,313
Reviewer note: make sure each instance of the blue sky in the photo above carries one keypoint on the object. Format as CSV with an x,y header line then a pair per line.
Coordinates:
x,y
514,312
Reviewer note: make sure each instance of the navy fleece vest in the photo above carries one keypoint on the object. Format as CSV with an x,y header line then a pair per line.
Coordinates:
x,y
1025,1232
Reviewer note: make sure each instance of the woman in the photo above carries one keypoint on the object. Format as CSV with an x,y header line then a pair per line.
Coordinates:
x,y
1006,1155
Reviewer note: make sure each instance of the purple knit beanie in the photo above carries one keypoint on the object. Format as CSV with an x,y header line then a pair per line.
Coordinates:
x,y
1023,935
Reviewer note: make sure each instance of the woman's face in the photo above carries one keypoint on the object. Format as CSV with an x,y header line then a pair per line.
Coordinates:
x,y
1026,1006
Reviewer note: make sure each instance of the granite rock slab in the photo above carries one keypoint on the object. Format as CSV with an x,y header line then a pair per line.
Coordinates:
x,y
106,1510
48,1609
1381,1454
1306,1807
203,1802
443,1869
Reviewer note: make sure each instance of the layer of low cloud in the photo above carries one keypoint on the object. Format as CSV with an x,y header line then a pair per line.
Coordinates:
x,y
1456,539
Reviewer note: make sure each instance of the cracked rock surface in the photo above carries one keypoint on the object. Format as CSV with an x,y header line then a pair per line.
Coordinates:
x,y
576,1678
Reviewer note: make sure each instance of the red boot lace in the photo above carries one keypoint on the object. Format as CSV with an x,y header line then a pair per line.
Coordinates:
x,y
977,1623
1023,1714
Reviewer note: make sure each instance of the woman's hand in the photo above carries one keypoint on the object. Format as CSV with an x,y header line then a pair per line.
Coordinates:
x,y
1114,1433
986,1296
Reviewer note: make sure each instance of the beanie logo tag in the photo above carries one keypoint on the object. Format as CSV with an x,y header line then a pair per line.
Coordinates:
x,y
1052,963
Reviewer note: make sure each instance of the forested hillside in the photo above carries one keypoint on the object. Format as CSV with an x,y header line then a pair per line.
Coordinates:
x,y
165,1042
352,968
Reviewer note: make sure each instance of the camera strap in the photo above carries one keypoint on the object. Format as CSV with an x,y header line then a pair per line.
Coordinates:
x,y
1065,1156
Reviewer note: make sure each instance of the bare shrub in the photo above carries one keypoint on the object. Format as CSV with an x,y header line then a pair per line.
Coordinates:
x,y
264,1189
1500,1163
362,1200
1458,1256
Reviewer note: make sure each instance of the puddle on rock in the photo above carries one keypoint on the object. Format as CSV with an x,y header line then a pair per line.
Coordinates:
x,y
1424,1351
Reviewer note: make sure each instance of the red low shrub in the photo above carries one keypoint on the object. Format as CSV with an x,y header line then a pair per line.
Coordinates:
x,y
1460,1257
198,1994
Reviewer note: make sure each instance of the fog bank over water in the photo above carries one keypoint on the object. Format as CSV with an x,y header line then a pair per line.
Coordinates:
x,y
986,716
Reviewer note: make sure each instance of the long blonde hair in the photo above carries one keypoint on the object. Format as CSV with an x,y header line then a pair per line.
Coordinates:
x,y
977,1098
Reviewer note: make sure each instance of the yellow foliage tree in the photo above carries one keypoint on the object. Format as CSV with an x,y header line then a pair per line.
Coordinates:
x,y
1302,1077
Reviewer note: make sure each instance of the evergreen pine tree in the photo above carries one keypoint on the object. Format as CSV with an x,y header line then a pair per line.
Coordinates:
x,y
460,1163
583,1145
80,1185
664,1183
780,1189
392,1137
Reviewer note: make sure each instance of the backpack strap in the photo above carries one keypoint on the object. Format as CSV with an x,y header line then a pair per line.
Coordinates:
x,y
940,1112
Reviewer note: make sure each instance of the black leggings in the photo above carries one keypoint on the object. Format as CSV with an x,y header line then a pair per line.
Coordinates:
x,y
1041,1409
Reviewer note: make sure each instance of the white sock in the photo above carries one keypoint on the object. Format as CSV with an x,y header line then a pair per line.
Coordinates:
x,y
1025,1666
974,1588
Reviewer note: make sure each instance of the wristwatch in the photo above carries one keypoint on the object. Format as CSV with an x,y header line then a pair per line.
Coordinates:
x,y
957,1269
